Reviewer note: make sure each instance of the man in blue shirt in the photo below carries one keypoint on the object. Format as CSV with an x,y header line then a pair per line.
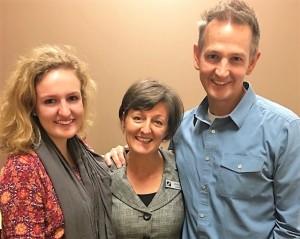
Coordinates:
x,y
238,154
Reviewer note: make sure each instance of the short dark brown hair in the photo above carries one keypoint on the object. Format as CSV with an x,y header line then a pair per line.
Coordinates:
x,y
145,94
236,11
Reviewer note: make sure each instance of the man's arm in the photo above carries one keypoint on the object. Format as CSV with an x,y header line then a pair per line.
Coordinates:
x,y
287,183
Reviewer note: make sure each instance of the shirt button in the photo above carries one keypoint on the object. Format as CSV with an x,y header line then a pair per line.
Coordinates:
x,y
146,237
213,131
147,216
207,158
203,186
202,215
240,166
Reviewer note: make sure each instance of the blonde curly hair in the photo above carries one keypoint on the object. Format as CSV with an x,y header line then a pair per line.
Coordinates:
x,y
18,129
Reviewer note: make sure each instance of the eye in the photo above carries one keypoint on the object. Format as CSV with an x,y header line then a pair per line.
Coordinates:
x,y
212,57
158,122
49,101
137,118
73,98
237,58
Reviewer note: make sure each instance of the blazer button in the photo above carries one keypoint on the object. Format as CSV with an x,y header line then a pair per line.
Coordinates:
x,y
147,217
146,237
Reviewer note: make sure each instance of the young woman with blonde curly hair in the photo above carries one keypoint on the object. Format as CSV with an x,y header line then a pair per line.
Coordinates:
x,y
52,185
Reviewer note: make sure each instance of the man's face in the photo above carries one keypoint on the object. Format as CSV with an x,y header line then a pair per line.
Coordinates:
x,y
223,62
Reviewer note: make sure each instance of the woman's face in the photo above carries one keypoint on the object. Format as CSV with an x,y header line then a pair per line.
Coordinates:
x,y
59,104
145,130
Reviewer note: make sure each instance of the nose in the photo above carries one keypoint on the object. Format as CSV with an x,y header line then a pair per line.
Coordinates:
x,y
146,128
64,109
222,69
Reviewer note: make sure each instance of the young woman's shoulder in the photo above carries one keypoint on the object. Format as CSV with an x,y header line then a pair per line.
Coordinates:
x,y
23,167
26,191
23,160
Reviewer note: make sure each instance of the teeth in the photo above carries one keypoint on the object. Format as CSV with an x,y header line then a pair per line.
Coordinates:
x,y
65,122
220,82
143,139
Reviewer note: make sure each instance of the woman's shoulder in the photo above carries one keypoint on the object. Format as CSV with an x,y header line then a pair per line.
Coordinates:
x,y
167,154
22,159
27,164
169,157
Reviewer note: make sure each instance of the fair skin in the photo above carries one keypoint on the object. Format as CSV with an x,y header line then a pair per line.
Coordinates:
x,y
223,63
59,106
144,131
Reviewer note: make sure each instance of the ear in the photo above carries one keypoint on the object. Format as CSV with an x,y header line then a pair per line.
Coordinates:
x,y
196,57
123,125
253,62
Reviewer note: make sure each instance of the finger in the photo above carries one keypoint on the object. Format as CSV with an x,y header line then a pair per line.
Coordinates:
x,y
114,154
121,154
107,159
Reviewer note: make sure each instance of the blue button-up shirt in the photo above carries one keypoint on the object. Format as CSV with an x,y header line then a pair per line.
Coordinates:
x,y
240,175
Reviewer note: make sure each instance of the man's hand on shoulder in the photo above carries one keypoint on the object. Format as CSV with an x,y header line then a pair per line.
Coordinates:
x,y
116,156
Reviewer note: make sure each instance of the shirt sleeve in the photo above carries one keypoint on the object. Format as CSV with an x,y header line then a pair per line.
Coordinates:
x,y
287,183
21,194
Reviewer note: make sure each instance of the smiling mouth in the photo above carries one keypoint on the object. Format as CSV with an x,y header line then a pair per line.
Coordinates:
x,y
221,82
143,139
64,122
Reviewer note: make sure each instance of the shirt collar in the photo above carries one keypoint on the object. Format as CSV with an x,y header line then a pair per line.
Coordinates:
x,y
238,115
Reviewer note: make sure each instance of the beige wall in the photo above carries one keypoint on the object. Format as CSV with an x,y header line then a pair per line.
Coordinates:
x,y
1,45
126,40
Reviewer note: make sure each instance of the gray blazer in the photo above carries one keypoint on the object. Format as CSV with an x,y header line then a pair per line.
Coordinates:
x,y
162,219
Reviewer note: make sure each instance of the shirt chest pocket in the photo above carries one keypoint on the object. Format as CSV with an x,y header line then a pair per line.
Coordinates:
x,y
240,176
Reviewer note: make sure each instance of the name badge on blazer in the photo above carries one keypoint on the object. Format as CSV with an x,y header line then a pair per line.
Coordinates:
x,y
173,185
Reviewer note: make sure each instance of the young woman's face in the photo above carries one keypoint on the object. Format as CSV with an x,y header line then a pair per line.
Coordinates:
x,y
145,130
59,104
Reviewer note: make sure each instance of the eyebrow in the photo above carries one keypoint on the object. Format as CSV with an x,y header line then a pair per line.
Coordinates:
x,y
55,95
240,54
